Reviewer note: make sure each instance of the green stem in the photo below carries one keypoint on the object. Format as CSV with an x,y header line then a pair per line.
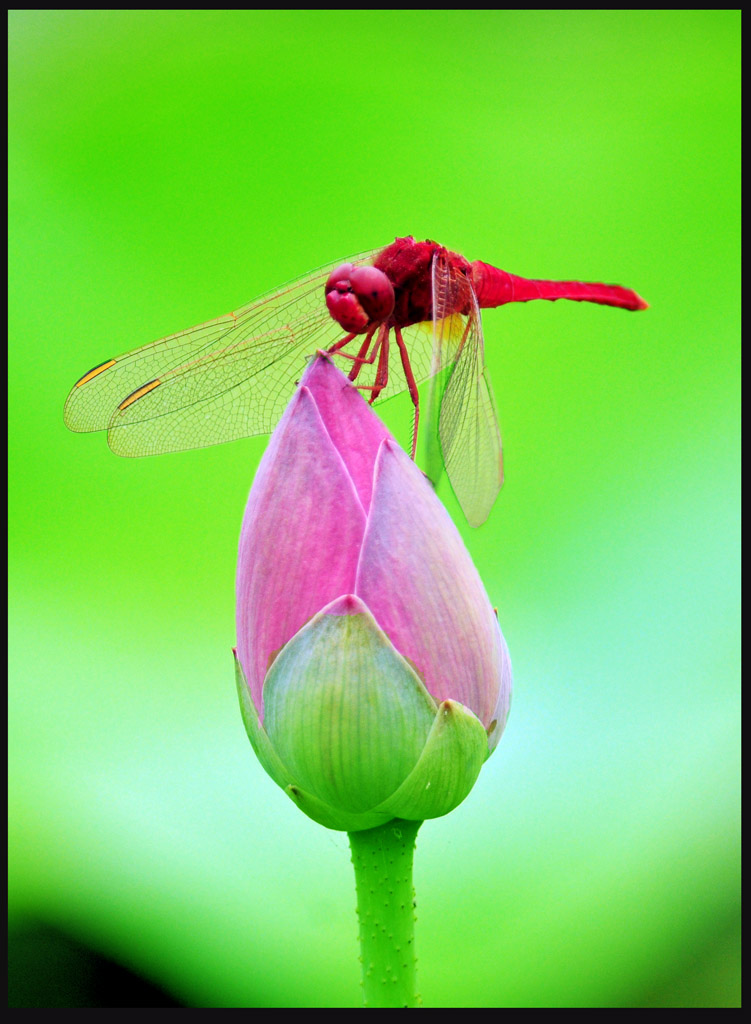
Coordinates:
x,y
382,858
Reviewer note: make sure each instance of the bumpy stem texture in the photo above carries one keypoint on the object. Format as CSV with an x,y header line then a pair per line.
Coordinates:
x,y
382,858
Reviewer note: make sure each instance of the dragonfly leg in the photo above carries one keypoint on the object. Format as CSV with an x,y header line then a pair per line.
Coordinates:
x,y
411,384
380,349
382,373
362,356
340,344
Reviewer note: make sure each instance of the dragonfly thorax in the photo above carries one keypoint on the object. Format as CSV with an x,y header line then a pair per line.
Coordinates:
x,y
409,266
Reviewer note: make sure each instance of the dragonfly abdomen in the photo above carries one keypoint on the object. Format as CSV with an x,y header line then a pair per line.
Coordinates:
x,y
496,287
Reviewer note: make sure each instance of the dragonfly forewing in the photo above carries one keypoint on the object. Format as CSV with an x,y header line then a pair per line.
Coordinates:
x,y
227,378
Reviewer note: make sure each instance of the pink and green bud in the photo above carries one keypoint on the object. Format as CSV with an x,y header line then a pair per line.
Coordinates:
x,y
373,677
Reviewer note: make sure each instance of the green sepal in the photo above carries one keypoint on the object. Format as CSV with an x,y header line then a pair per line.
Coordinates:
x,y
341,821
447,768
256,733
345,712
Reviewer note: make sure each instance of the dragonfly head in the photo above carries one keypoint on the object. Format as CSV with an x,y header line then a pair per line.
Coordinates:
x,y
358,297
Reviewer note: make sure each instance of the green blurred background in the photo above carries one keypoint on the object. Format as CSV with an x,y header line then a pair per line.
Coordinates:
x,y
166,167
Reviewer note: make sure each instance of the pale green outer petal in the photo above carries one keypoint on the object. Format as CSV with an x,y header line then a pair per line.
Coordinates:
x,y
310,805
345,713
258,738
447,769
341,821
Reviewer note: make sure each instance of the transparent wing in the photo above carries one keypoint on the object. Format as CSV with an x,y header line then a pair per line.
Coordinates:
x,y
218,381
462,399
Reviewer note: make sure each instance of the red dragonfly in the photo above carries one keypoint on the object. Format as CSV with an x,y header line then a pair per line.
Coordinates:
x,y
233,376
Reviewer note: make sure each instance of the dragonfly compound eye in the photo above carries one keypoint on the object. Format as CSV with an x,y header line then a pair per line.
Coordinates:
x,y
374,291
357,297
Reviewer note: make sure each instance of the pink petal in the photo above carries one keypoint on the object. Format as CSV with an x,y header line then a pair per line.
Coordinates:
x,y
418,579
354,428
300,538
